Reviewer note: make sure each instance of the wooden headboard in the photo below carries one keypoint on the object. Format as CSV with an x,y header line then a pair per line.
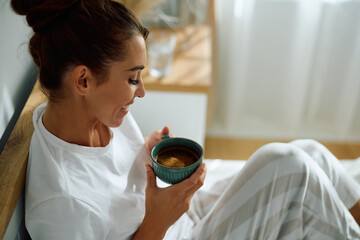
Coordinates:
x,y
13,159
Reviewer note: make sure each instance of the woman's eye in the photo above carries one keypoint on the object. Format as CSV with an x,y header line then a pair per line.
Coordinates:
x,y
133,82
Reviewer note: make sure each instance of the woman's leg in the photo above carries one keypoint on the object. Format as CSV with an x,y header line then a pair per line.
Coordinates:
x,y
281,193
346,186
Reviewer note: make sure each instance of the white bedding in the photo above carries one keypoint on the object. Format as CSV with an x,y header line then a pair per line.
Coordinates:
x,y
218,169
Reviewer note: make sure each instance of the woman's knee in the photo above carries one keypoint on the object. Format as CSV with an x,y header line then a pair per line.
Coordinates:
x,y
281,155
318,152
309,145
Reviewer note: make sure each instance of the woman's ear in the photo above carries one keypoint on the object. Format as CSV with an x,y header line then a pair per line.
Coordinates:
x,y
81,79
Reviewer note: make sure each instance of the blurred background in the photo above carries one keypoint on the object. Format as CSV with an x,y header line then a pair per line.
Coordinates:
x,y
289,69
244,73
280,70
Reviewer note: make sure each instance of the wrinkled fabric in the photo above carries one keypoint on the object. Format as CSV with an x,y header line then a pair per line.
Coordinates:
x,y
78,192
296,190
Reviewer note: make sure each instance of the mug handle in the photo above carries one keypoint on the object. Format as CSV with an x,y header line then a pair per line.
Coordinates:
x,y
165,136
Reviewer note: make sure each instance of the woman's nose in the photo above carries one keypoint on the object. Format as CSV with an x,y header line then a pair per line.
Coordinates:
x,y
140,91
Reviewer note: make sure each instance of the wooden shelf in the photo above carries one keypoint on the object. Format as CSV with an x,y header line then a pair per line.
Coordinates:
x,y
191,68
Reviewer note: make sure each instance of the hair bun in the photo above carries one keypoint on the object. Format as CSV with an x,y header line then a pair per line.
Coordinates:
x,y
40,13
22,7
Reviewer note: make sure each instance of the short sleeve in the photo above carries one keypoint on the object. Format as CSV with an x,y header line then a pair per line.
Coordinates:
x,y
65,218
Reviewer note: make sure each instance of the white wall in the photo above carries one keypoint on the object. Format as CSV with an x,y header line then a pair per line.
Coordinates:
x,y
17,71
183,113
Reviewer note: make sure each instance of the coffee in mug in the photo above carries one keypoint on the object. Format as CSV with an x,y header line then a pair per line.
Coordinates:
x,y
176,156
175,159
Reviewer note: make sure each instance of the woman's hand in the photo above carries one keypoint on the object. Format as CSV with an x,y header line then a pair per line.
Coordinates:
x,y
164,206
155,137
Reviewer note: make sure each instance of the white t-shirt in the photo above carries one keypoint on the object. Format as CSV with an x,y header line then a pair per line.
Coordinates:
x,y
78,192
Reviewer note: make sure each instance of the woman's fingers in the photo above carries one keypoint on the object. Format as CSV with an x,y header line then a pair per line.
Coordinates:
x,y
195,181
150,176
192,184
166,205
200,181
165,130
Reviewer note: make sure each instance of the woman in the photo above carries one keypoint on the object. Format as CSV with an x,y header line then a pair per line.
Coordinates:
x,y
86,177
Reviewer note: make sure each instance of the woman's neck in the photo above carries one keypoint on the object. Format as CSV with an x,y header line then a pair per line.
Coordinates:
x,y
71,122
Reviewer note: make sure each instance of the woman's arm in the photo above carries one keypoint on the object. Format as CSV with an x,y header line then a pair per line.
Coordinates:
x,y
164,206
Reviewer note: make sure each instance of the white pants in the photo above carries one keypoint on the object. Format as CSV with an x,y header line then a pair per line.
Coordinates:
x,y
296,190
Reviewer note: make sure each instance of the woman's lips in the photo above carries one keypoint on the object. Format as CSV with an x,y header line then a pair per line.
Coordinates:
x,y
125,109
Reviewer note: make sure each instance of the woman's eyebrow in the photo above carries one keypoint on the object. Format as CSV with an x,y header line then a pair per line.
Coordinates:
x,y
138,67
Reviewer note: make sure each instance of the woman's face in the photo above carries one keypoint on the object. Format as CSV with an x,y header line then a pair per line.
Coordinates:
x,y
109,101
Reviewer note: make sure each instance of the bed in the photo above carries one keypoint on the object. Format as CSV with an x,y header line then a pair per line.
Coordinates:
x,y
13,162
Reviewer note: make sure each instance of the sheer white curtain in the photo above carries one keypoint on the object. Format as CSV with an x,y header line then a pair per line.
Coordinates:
x,y
288,69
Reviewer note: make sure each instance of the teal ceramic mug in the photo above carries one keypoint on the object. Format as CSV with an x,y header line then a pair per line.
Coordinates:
x,y
175,173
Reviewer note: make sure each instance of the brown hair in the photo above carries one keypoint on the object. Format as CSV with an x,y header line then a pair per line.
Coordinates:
x,y
68,33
